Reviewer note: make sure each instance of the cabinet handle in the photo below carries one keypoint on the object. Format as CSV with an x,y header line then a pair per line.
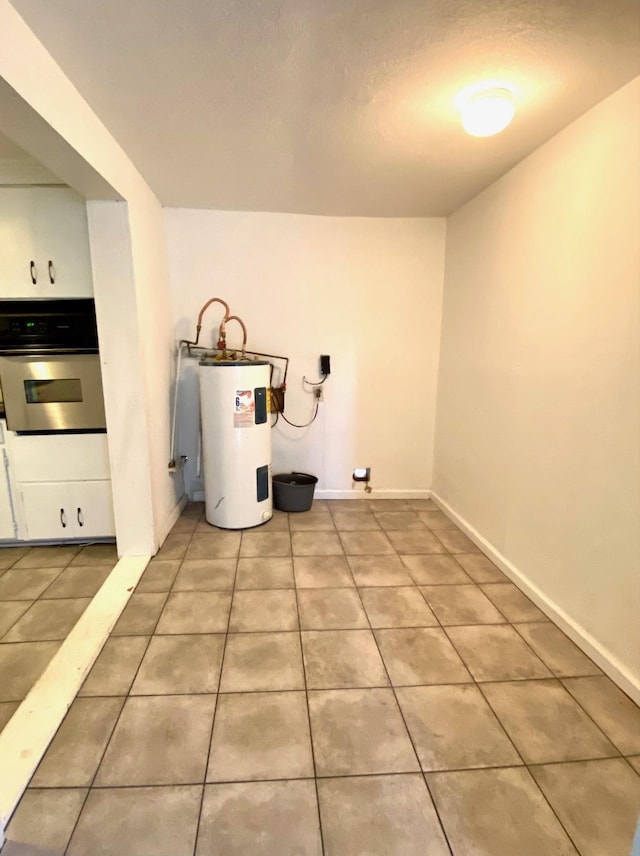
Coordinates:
x,y
80,517
63,518
52,273
33,271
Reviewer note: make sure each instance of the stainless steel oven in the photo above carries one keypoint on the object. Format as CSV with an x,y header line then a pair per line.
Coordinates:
x,y
49,366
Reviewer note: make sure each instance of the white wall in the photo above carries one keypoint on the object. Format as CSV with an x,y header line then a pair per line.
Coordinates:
x,y
137,398
367,292
538,425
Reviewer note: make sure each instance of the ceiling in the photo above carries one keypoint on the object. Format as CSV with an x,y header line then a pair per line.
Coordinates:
x,y
337,107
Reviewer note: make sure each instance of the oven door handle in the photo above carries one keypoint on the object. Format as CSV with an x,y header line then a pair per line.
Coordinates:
x,y
33,271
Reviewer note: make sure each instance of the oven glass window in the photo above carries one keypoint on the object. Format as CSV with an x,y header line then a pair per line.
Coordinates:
x,y
53,391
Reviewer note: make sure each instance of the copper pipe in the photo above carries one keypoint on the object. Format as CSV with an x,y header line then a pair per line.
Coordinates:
x,y
200,316
244,329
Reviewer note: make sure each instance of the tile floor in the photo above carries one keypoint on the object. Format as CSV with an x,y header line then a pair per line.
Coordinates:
x,y
43,592
352,680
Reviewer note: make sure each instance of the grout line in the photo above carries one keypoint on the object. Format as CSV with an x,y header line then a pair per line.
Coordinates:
x,y
306,695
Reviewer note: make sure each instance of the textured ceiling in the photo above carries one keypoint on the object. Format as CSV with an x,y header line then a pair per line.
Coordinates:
x,y
331,106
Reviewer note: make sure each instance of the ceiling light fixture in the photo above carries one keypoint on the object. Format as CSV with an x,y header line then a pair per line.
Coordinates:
x,y
486,109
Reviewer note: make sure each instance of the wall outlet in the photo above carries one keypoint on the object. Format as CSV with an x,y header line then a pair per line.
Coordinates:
x,y
318,393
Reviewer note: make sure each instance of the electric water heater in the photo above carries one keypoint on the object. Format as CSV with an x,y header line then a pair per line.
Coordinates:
x,y
236,442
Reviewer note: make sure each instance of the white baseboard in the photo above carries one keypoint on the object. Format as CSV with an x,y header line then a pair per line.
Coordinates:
x,y
609,664
360,493
198,496
169,524
26,736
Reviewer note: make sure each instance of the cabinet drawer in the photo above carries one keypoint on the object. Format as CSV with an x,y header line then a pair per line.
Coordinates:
x,y
60,457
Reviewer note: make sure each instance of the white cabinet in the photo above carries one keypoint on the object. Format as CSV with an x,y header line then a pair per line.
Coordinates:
x,y
57,510
44,243
8,527
62,486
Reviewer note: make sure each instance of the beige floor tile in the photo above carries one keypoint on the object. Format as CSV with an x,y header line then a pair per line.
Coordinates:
x,y
512,603
193,510
21,664
634,760
349,505
10,612
461,605
97,554
311,521
494,653
420,656
48,557
205,575
47,620
159,740
597,801
219,545
611,709
114,670
366,543
422,504
257,662
545,723
382,505
140,615
150,822
7,709
355,521
46,818
279,523
331,609
180,664
454,728
10,555
357,818
316,544
342,659
400,520
272,609
379,571
159,575
174,546
195,612
412,543
556,650
265,818
435,570
265,544
480,569
26,583
261,736
322,572
436,520
456,541
319,505
78,581
356,732
270,573
397,607
73,757
184,526
499,812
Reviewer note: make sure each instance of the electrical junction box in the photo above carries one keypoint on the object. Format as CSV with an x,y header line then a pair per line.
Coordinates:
x,y
325,365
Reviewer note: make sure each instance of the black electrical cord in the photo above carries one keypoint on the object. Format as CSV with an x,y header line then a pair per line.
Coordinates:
x,y
275,421
315,382
306,425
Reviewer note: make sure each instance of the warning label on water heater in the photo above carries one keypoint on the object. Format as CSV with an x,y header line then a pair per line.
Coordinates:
x,y
244,415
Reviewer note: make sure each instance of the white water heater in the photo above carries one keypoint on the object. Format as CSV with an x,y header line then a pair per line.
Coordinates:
x,y
236,442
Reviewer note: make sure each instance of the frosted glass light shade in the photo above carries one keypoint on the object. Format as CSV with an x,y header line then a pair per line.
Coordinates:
x,y
487,113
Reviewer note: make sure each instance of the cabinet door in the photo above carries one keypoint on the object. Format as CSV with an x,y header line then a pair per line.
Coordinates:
x,y
47,512
92,509
7,522
61,236
17,247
